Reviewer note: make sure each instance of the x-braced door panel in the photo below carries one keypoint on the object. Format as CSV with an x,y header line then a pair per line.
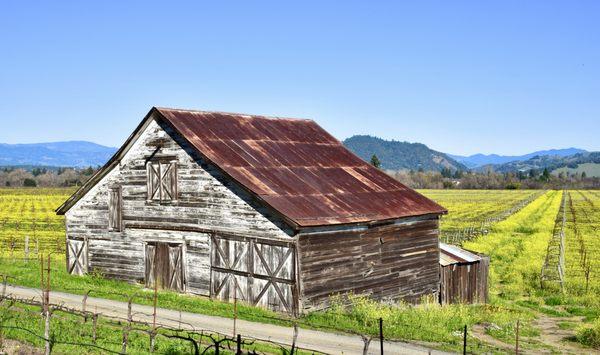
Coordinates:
x,y
258,272
77,258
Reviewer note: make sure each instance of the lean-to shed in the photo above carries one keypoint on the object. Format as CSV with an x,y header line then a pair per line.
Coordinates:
x,y
463,275
273,210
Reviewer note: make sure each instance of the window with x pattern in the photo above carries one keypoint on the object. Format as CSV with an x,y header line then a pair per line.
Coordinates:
x,y
162,180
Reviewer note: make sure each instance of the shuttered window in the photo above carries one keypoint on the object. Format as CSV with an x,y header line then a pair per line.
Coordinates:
x,y
162,180
115,205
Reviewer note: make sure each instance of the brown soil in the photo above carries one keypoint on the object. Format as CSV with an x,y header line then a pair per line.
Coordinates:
x,y
478,332
554,338
551,334
13,347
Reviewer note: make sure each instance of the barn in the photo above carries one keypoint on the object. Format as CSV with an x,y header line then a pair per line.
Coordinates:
x,y
273,211
463,275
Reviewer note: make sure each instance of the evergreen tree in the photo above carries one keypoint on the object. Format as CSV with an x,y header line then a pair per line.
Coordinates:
x,y
583,175
375,161
546,175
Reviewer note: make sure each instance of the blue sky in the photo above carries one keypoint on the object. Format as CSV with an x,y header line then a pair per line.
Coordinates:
x,y
507,77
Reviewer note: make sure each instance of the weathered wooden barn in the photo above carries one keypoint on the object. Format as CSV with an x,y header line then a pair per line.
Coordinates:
x,y
205,202
463,275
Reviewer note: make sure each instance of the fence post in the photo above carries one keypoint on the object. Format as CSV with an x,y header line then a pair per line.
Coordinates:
x,y
94,327
465,341
27,248
294,337
234,305
48,345
381,334
127,328
239,345
517,338
4,281
84,302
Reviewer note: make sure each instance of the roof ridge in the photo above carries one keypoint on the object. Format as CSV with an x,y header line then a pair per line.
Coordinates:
x,y
159,108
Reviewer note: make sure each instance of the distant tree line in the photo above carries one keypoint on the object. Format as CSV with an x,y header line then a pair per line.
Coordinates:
x,y
44,177
533,179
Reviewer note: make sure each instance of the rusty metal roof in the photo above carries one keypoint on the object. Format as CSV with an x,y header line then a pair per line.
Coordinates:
x,y
297,168
450,254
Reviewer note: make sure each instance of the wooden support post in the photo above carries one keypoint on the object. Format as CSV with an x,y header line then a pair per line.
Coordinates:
x,y
465,341
48,345
4,282
94,327
127,328
294,337
239,345
381,334
84,304
48,282
234,305
42,288
517,338
26,248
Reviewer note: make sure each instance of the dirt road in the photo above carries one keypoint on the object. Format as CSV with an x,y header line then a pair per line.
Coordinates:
x,y
309,339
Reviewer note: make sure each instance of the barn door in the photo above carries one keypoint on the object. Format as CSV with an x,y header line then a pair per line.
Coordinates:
x,y
260,273
274,276
164,266
77,263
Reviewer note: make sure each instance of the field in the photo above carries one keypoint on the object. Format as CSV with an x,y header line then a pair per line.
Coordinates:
x,y
583,242
30,212
472,212
519,226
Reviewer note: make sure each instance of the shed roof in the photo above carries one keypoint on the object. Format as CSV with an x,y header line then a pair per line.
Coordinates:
x,y
297,168
450,254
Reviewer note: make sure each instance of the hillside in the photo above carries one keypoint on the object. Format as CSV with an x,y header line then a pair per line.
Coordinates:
x,y
551,163
71,153
477,160
395,155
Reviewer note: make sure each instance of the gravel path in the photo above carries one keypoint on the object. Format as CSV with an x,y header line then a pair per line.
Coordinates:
x,y
309,339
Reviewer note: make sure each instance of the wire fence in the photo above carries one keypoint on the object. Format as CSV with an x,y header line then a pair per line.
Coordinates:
x,y
553,269
457,237
156,329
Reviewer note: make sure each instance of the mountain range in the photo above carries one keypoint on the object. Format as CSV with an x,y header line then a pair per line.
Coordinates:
x,y
394,155
477,160
71,153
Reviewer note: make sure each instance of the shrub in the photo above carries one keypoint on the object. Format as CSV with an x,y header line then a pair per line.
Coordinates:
x,y
590,335
29,183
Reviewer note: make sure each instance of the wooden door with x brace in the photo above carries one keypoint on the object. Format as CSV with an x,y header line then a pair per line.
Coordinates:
x,y
258,272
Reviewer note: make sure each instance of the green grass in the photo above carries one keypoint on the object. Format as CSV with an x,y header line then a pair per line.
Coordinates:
x,y
71,334
517,248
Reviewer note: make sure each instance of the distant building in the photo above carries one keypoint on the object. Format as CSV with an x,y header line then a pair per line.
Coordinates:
x,y
463,275
275,212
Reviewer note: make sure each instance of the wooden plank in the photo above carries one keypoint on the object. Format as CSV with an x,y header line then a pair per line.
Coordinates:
x,y
393,261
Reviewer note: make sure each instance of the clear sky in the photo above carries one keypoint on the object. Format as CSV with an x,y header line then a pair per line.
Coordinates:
x,y
507,77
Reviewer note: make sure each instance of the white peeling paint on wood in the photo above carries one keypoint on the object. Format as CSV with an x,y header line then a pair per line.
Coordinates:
x,y
206,201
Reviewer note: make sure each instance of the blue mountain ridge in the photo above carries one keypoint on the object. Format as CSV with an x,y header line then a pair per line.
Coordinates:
x,y
67,154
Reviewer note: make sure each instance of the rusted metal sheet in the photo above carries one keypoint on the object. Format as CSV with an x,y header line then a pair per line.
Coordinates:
x,y
450,254
298,168
463,276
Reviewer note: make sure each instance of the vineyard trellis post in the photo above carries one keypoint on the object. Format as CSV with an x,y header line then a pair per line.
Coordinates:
x,y
27,248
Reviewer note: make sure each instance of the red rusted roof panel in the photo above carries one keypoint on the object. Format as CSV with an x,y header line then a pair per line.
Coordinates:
x,y
298,168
